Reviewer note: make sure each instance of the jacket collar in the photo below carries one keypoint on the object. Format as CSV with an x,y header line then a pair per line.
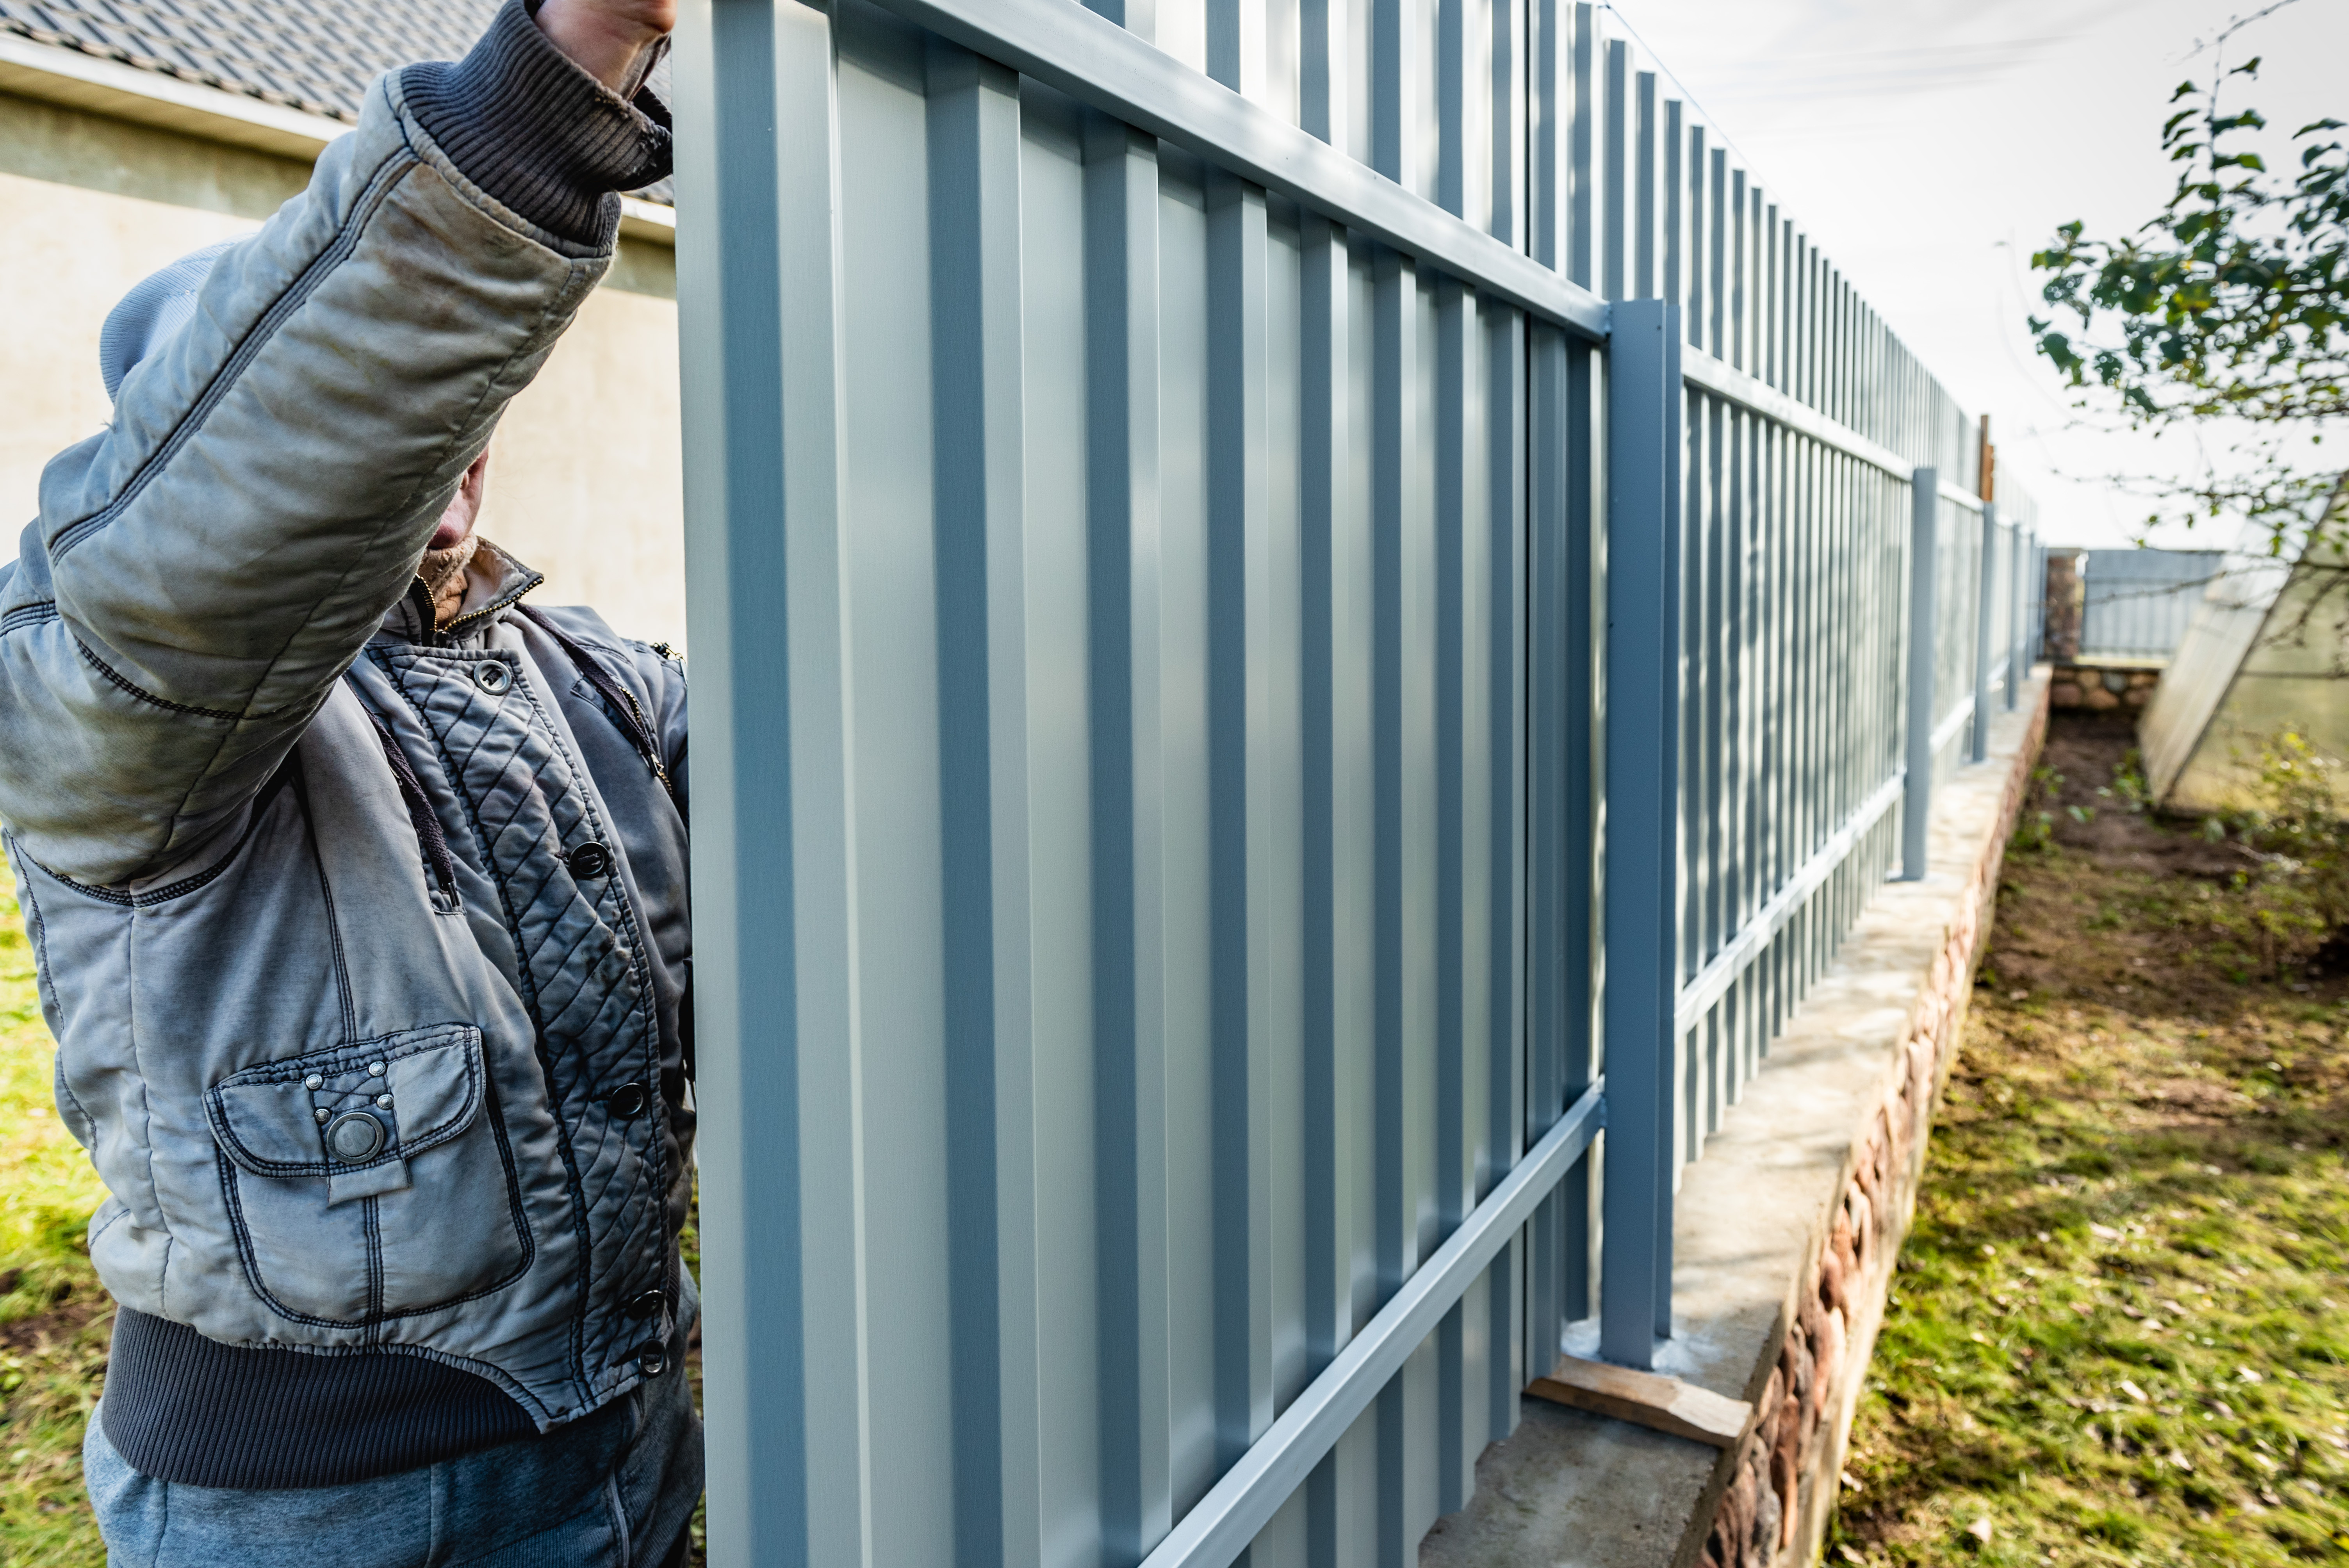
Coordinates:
x,y
494,582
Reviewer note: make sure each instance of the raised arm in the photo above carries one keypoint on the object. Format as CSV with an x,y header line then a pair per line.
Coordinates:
x,y
203,571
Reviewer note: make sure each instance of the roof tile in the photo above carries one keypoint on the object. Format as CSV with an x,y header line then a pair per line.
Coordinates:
x,y
318,54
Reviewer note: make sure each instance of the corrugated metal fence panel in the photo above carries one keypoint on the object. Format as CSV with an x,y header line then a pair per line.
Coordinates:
x,y
1794,572
1795,566
1172,650
2139,601
1146,573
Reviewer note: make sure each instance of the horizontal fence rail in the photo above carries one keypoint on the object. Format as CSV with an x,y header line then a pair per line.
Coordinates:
x,y
1294,609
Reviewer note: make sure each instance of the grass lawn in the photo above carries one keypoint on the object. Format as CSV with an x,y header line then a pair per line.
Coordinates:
x,y
54,1318
2119,1333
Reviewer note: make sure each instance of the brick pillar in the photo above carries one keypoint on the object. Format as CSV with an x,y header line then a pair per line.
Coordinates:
x,y
2068,591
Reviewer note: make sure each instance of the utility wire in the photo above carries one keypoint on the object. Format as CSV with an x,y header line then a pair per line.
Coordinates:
x,y
1713,121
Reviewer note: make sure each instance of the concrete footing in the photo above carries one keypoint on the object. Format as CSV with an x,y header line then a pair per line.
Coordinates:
x,y
1785,1234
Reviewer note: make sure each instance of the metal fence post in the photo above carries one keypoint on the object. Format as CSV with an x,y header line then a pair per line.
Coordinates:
x,y
2035,642
1917,795
1643,647
1985,622
2019,565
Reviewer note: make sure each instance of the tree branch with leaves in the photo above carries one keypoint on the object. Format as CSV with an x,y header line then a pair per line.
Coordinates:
x,y
2228,311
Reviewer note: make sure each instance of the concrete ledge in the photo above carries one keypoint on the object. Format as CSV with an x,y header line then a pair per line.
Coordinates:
x,y
1785,1236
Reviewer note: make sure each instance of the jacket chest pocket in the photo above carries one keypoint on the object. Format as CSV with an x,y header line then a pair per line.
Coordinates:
x,y
363,1182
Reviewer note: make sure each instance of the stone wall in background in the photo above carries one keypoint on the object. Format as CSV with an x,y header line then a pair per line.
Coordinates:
x,y
2102,687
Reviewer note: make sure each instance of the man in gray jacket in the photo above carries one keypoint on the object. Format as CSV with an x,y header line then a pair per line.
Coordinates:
x,y
359,895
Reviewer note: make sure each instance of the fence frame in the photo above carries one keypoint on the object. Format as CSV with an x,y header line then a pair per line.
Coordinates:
x,y
784,1266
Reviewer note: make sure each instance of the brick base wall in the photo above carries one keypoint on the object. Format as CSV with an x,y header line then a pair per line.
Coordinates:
x,y
1783,1491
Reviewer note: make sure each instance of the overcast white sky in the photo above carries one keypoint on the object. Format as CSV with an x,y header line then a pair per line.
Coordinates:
x,y
1930,146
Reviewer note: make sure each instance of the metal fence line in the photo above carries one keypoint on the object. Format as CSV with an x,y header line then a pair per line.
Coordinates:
x,y
1273,594
2138,602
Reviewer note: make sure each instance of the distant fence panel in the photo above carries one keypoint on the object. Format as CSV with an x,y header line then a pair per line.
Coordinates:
x,y
1208,780
2139,601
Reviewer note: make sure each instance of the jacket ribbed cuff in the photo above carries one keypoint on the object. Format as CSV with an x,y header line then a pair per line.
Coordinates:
x,y
538,134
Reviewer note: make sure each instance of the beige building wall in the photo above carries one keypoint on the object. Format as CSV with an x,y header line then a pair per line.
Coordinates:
x,y
583,475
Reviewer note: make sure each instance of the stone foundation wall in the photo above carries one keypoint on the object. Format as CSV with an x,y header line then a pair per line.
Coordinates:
x,y
2102,688
1783,1488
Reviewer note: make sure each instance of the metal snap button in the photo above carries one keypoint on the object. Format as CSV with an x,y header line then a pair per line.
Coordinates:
x,y
645,1305
589,861
374,1069
354,1137
492,675
383,1102
652,1360
322,1113
628,1099
314,1081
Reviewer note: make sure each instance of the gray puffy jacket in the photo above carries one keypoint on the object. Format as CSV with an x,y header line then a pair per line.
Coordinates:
x,y
364,946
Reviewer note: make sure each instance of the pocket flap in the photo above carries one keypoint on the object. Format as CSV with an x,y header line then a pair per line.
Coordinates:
x,y
289,1118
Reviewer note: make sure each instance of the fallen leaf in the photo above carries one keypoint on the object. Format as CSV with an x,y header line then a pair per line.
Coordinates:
x,y
1979,1530
2247,1374
2104,1233
2133,1391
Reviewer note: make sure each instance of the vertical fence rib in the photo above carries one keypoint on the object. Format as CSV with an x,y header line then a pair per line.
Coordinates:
x,y
979,530
1329,1067
1238,806
1581,169
1394,481
1454,321
1120,198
